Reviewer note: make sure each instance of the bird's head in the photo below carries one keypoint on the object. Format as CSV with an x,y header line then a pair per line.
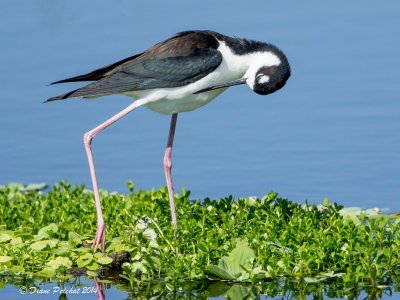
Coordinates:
x,y
267,72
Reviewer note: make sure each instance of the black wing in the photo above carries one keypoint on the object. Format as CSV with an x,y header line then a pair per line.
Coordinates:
x,y
99,73
153,69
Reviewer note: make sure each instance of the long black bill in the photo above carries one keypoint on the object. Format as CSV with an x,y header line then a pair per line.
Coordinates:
x,y
234,82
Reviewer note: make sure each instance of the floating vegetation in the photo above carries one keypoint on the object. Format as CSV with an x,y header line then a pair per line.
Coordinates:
x,y
221,247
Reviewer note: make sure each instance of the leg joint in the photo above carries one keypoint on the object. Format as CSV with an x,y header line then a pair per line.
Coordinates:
x,y
167,163
87,138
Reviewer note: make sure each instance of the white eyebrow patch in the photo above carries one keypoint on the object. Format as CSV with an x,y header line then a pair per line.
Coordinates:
x,y
263,79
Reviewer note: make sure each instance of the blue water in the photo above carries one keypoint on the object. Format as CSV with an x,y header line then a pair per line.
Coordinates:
x,y
332,131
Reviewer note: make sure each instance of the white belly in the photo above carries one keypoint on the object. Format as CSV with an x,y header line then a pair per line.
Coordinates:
x,y
181,99
170,104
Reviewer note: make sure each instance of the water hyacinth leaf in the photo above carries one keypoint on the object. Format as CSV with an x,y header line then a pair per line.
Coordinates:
x,y
87,191
323,276
313,280
105,281
258,273
25,236
93,266
59,261
75,238
91,273
34,187
17,242
138,266
87,256
82,249
252,201
350,217
4,237
48,230
47,272
242,255
332,275
118,245
105,260
40,245
281,264
218,272
5,259
98,255
83,262
351,210
17,269
62,249
237,265
153,244
149,234
372,212
379,216
15,186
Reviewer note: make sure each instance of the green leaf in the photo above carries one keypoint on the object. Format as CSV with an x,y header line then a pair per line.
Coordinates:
x,y
83,249
4,237
15,186
40,245
59,261
63,249
91,273
88,255
5,259
47,272
149,234
93,266
105,260
17,269
240,257
219,272
34,187
17,242
83,262
138,266
75,238
48,230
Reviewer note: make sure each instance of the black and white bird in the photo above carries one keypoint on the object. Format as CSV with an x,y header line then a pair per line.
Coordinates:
x,y
177,75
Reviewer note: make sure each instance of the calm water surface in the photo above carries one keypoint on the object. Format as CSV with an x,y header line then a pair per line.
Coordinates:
x,y
332,132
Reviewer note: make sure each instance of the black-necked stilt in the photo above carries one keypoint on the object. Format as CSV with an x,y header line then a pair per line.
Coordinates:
x,y
179,74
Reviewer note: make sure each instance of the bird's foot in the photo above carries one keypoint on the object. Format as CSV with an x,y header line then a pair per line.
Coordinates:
x,y
100,236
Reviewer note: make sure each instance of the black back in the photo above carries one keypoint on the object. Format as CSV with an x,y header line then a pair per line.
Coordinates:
x,y
178,61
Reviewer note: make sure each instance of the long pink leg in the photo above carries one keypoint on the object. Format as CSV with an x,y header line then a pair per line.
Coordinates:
x,y
168,166
87,138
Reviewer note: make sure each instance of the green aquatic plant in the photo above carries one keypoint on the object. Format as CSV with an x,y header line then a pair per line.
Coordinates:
x,y
48,234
